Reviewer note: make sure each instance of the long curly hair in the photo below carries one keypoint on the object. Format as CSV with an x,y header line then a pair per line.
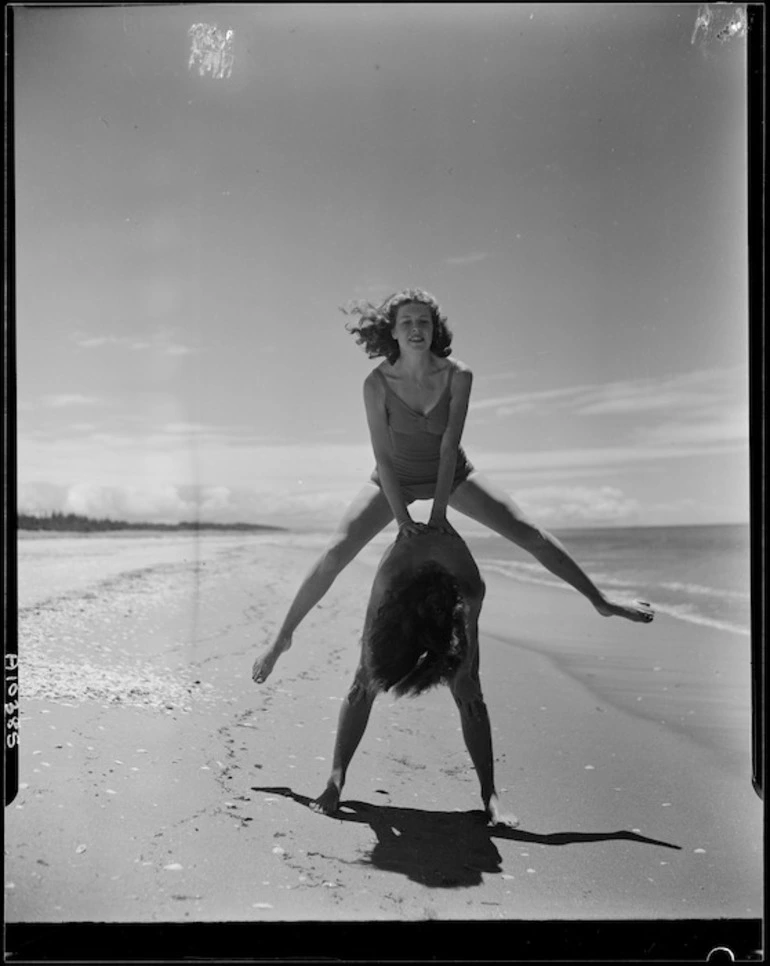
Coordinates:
x,y
418,637
374,329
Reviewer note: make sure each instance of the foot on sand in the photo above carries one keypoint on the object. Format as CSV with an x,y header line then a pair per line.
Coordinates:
x,y
265,663
496,815
328,801
638,610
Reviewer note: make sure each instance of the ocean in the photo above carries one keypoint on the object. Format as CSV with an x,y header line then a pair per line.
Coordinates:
x,y
697,574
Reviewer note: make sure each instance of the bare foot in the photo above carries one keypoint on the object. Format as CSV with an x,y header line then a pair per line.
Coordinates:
x,y
265,663
328,801
638,610
496,815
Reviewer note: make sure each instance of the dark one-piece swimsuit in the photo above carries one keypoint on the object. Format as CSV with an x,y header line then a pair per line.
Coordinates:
x,y
416,443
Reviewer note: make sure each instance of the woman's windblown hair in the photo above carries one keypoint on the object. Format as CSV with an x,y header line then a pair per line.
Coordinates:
x,y
418,637
374,329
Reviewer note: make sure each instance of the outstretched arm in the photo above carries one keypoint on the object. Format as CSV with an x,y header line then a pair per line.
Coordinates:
x,y
450,442
374,400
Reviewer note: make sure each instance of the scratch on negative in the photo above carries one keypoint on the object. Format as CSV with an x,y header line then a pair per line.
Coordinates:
x,y
732,20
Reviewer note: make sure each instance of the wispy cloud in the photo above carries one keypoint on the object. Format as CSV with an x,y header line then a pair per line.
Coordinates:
x,y
484,377
206,459
690,390
374,290
99,341
134,344
535,462
525,406
162,341
723,426
579,504
185,429
63,400
691,409
703,388
144,433
470,259
529,399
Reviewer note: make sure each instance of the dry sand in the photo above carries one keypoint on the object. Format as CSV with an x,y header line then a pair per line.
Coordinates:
x,y
159,783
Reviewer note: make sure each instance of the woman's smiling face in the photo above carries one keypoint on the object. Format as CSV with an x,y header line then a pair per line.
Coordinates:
x,y
413,328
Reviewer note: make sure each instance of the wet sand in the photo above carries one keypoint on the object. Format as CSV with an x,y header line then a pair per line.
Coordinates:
x,y
160,784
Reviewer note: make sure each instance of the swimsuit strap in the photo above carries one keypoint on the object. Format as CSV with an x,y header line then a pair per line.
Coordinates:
x,y
381,374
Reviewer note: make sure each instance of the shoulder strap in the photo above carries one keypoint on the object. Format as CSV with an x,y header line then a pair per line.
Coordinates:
x,y
381,374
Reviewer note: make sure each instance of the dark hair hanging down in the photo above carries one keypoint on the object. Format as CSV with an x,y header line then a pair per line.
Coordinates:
x,y
418,637
375,329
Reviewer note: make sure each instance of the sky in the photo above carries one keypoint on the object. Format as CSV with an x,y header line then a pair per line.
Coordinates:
x,y
568,180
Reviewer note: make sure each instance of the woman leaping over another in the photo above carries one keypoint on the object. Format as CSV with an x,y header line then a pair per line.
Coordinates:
x,y
416,403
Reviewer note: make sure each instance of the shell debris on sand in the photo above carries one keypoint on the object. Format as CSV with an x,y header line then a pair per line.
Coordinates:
x,y
137,685
55,632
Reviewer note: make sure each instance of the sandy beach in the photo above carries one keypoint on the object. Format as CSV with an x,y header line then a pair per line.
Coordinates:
x,y
158,783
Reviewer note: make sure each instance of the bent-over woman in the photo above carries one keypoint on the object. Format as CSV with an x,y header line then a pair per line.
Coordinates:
x,y
421,629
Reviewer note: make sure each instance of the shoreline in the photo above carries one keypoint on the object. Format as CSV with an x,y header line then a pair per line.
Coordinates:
x,y
151,532
663,673
167,787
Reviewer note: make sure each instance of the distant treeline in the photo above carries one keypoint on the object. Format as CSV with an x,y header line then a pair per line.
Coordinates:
x,y
75,522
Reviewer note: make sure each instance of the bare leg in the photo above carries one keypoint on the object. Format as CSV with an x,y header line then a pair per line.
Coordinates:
x,y
354,716
466,691
368,514
478,740
488,504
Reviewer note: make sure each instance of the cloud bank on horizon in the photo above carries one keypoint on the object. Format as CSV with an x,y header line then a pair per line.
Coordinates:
x,y
179,470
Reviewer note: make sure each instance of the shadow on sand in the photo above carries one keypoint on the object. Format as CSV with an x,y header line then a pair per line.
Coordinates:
x,y
446,849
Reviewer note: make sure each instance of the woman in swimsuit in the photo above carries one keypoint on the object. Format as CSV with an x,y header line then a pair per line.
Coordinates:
x,y
416,403
421,629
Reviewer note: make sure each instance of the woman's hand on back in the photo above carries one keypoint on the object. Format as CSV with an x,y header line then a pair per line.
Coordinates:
x,y
410,528
438,522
